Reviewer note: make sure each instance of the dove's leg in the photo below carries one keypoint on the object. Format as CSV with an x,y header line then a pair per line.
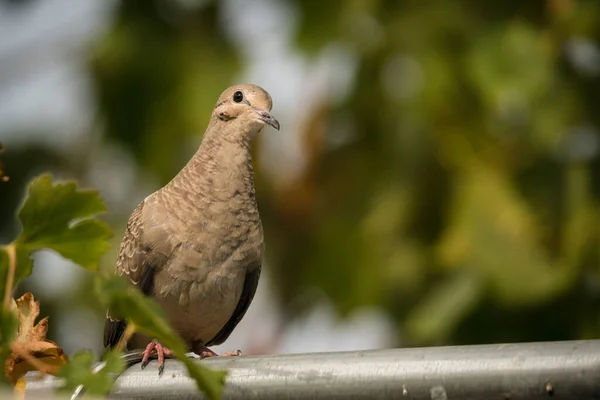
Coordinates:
x,y
161,353
205,352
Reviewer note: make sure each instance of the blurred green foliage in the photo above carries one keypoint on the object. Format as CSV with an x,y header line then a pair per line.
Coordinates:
x,y
466,199
153,78
470,210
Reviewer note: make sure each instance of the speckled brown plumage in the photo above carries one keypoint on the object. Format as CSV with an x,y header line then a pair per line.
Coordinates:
x,y
196,245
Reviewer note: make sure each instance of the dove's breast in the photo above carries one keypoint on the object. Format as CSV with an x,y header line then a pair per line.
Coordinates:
x,y
201,284
215,237
198,309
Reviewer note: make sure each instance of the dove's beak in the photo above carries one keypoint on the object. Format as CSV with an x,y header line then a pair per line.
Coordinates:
x,y
268,119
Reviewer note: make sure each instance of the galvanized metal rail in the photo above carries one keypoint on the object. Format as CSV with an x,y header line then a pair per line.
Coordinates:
x,y
550,370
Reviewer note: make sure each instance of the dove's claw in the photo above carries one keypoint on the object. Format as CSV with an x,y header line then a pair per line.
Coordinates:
x,y
161,352
205,352
235,353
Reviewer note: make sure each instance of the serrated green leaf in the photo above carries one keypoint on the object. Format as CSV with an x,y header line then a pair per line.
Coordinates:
x,y
24,263
127,302
79,371
57,216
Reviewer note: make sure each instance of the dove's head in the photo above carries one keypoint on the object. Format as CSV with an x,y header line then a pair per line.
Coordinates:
x,y
245,110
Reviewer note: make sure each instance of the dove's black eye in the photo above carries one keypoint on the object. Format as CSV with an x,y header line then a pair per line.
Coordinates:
x,y
238,97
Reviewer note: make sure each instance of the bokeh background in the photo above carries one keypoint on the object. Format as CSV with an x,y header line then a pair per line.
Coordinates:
x,y
436,180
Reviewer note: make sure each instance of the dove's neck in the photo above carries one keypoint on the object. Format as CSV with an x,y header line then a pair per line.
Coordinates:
x,y
220,170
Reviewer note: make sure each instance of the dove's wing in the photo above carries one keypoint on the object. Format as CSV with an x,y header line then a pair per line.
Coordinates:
x,y
136,263
248,291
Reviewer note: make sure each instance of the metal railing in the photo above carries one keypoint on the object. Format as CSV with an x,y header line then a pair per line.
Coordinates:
x,y
550,370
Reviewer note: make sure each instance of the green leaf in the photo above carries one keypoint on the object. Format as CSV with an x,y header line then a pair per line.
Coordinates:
x,y
115,363
127,302
24,264
79,372
58,216
209,381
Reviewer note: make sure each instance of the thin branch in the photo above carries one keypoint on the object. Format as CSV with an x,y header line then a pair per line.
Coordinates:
x,y
129,331
10,279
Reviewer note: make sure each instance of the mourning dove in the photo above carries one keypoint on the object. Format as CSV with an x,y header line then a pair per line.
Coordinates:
x,y
196,245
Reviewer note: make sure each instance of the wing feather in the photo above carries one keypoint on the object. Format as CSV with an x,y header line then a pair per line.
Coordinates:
x,y
131,263
248,291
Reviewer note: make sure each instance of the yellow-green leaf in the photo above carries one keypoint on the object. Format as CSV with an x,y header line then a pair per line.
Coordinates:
x,y
127,302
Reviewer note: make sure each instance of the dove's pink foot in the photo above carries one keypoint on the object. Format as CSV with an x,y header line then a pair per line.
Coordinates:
x,y
161,352
205,352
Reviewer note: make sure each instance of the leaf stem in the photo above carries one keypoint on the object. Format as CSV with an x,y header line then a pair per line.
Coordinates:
x,y
130,330
10,279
